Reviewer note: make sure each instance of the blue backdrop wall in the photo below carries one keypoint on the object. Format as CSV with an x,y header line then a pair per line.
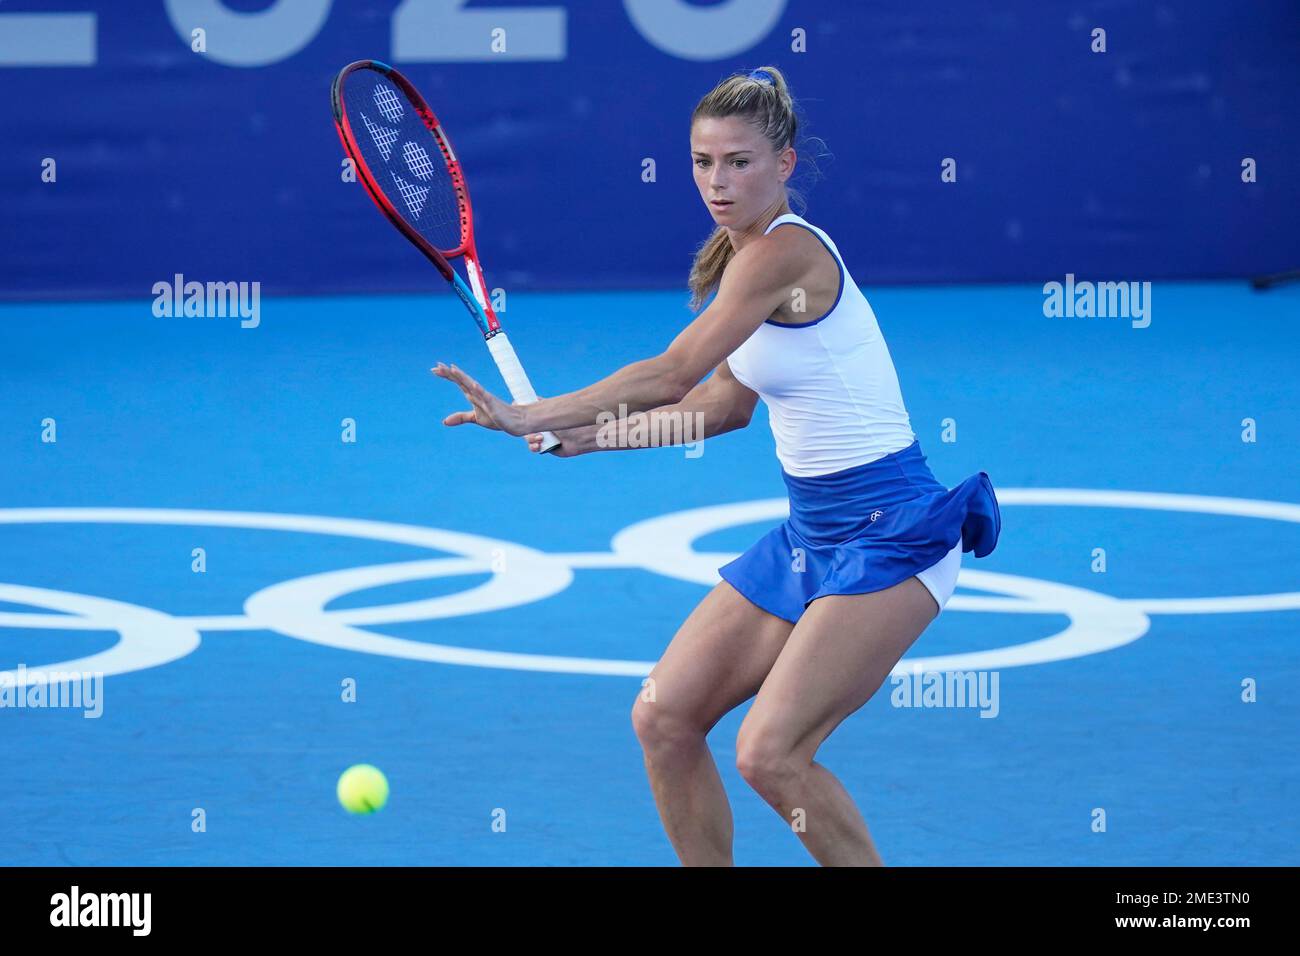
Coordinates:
x,y
224,164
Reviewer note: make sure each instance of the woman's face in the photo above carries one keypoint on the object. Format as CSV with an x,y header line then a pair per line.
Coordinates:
x,y
738,174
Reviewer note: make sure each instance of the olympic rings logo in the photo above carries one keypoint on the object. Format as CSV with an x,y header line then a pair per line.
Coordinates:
x,y
521,575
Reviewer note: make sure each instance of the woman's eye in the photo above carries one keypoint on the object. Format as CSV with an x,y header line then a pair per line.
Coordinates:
x,y
741,163
700,162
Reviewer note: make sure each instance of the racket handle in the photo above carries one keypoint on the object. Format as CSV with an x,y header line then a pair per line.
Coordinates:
x,y
521,390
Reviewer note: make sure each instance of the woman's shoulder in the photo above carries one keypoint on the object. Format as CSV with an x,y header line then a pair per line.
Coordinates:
x,y
806,232
795,236
811,264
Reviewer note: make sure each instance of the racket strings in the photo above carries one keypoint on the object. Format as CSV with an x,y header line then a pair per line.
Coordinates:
x,y
413,196
417,160
418,185
381,136
389,103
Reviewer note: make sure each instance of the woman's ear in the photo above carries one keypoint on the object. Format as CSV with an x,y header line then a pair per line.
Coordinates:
x,y
788,160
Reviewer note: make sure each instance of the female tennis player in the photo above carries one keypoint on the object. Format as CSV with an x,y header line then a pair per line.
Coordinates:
x,y
812,618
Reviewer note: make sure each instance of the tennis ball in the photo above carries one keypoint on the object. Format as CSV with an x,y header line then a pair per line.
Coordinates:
x,y
363,789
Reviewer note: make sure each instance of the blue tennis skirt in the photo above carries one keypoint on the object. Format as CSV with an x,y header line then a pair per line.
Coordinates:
x,y
863,529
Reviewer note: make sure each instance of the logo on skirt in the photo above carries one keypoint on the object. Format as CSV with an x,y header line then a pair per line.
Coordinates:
x,y
876,514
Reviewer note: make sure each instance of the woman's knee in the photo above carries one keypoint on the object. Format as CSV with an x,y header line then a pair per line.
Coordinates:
x,y
658,725
766,761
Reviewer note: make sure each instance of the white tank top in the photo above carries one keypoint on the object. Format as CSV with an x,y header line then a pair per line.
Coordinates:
x,y
832,395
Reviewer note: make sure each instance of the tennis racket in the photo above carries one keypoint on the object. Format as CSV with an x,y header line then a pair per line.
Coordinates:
x,y
404,159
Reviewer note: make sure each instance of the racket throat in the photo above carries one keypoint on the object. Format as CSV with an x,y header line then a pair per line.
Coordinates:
x,y
480,294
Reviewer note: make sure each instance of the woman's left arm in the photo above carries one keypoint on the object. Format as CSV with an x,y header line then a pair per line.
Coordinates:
x,y
754,285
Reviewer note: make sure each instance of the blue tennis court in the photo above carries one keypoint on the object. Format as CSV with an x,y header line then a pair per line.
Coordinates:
x,y
475,620
240,554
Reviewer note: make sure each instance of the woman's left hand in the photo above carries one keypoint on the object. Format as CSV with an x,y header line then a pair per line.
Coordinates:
x,y
488,410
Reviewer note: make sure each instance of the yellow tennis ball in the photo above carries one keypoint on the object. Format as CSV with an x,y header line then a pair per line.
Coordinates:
x,y
363,789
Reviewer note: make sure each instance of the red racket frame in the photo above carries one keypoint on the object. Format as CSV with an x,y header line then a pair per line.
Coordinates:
x,y
439,257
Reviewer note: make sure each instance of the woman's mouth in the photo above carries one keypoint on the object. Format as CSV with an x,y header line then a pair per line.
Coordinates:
x,y
720,203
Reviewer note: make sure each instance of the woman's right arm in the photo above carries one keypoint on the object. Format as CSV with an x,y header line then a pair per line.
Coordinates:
x,y
717,405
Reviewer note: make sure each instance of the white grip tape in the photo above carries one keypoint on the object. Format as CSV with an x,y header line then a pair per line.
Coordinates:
x,y
521,390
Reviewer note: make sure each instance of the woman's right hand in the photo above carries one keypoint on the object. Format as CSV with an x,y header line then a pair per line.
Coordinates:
x,y
569,446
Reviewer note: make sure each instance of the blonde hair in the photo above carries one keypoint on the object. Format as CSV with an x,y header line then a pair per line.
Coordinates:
x,y
767,106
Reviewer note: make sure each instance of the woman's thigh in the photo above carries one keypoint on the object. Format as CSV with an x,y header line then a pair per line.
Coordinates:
x,y
836,658
717,660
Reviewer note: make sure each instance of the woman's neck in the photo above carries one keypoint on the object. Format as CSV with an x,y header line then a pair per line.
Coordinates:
x,y
741,238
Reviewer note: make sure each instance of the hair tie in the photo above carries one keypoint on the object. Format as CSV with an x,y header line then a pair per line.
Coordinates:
x,y
762,76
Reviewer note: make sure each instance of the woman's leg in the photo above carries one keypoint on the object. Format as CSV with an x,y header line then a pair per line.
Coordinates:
x,y
717,661
836,658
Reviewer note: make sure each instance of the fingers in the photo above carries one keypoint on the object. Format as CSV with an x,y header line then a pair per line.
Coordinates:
x,y
456,375
467,385
452,374
475,392
479,397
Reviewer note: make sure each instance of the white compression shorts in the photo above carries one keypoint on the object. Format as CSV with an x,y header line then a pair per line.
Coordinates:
x,y
940,579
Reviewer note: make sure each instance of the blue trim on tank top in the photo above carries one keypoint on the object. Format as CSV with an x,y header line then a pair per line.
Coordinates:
x,y
839,293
